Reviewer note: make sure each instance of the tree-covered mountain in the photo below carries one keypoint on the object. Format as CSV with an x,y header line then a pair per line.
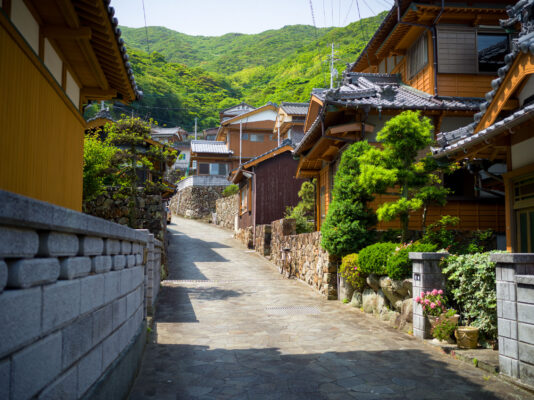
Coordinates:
x,y
186,77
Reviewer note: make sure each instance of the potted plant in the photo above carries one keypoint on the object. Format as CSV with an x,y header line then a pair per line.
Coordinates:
x,y
445,326
466,337
433,303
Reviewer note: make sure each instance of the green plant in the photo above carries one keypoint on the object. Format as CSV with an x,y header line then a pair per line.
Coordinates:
x,y
303,213
445,327
433,302
480,241
97,162
440,233
399,265
350,270
475,362
230,190
346,228
471,281
373,259
346,301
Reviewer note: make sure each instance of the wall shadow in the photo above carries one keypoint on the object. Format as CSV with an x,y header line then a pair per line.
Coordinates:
x,y
200,372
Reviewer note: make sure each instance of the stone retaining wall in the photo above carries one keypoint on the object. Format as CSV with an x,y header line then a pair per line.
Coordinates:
x,y
304,257
245,236
227,209
263,240
72,300
196,201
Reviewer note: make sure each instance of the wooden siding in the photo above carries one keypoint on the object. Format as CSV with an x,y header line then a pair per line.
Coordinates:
x,y
467,85
457,52
41,145
423,80
474,214
252,149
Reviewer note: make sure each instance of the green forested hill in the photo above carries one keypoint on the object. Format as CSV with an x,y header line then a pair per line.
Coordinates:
x,y
195,76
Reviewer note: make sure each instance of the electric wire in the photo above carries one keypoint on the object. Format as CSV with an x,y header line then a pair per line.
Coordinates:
x,y
364,34
348,13
146,28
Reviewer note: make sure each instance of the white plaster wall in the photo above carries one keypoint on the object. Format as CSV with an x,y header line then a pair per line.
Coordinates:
x,y
52,61
25,23
72,90
527,91
523,153
267,115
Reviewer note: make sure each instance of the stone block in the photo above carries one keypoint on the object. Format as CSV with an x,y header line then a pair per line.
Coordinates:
x,y
509,347
111,349
3,275
25,273
92,293
111,247
505,365
58,244
133,300
504,327
126,281
91,246
419,322
119,262
16,331
75,267
137,248
16,242
525,313
432,281
112,286
509,309
526,352
102,323
525,294
526,373
130,261
126,247
61,303
499,309
5,384
139,259
119,312
62,388
138,276
525,333
89,370
77,340
35,366
101,264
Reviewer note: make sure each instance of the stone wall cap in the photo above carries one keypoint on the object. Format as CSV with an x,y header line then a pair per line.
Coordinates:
x,y
513,258
18,210
525,279
427,256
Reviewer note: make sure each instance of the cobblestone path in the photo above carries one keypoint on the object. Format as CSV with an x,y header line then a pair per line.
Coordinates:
x,y
228,326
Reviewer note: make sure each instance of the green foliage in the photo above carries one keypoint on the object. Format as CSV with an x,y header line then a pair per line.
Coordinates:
x,y
397,166
97,161
304,212
350,270
480,241
445,327
230,190
440,233
399,265
346,228
471,281
373,259
197,76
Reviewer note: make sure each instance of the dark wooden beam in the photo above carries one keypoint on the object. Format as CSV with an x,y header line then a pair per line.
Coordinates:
x,y
63,33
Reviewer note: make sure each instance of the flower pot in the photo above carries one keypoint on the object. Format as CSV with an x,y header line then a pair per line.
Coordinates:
x,y
433,321
466,337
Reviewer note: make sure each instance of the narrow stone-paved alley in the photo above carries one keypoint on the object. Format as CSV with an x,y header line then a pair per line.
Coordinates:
x,y
228,326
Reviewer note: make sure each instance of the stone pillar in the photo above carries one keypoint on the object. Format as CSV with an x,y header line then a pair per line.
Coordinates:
x,y
515,314
426,276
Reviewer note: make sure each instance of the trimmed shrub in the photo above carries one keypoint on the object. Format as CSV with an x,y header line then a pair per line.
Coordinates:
x,y
373,259
399,265
230,190
350,270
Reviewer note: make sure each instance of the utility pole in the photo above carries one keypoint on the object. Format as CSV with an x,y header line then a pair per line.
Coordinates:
x,y
240,139
196,128
333,70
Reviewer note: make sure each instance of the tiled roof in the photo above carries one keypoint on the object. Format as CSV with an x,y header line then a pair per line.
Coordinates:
x,y
165,131
102,114
295,108
209,146
459,138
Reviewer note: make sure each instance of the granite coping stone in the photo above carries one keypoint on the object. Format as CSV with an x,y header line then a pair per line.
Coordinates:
x,y
512,258
427,256
18,210
525,279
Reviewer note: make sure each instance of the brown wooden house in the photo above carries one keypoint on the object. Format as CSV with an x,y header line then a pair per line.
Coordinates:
x,y
404,67
503,133
267,186
55,56
289,123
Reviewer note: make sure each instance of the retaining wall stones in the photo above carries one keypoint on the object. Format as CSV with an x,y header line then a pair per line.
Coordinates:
x,y
196,201
72,295
227,209
263,240
245,236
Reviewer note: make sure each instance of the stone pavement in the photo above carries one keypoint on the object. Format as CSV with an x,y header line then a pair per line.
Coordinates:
x,y
228,326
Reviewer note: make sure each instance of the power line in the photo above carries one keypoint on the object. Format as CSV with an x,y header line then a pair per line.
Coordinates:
x,y
324,14
369,7
361,24
348,12
146,29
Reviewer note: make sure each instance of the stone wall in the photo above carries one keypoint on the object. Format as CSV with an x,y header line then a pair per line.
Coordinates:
x,y
245,236
196,201
263,240
150,211
304,257
72,301
227,209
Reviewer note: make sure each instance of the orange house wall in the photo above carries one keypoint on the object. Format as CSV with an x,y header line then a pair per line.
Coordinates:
x,y
464,85
252,149
41,144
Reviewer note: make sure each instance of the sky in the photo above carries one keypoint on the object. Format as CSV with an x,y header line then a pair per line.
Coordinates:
x,y
217,17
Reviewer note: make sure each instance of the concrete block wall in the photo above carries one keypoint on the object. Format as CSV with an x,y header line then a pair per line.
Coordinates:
x,y
426,276
153,273
515,314
72,297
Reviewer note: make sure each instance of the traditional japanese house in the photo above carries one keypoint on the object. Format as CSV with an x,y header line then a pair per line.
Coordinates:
x,y
425,56
210,133
499,143
289,123
55,56
249,134
267,186
169,136
210,157
234,111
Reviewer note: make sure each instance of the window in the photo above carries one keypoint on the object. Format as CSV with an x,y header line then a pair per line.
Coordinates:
x,y
244,136
256,137
203,169
417,56
218,169
244,199
491,49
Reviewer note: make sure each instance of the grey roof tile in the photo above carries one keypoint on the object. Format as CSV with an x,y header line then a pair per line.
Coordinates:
x,y
295,108
209,146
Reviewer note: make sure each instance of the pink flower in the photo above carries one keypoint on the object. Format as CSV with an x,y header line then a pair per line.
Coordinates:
x,y
440,291
434,292
417,299
432,305
438,302
427,302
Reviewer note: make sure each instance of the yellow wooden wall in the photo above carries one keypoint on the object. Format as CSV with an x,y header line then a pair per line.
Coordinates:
x,y
41,142
464,85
